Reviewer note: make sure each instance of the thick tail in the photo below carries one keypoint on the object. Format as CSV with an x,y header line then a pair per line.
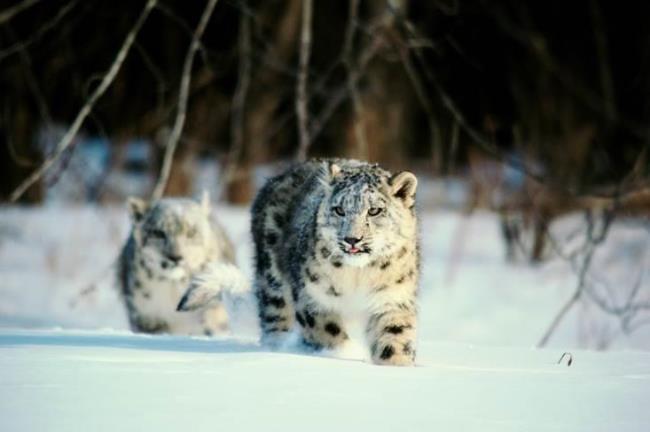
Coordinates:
x,y
208,287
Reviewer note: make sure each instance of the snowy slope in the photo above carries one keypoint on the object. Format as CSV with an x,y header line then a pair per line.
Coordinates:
x,y
101,381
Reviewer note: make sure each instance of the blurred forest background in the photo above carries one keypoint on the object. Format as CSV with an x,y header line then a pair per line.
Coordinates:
x,y
556,90
538,109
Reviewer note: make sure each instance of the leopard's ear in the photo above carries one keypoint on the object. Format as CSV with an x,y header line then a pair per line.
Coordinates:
x,y
403,187
335,170
328,171
137,208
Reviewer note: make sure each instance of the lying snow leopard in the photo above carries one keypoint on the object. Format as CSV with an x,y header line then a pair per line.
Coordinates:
x,y
327,234
174,245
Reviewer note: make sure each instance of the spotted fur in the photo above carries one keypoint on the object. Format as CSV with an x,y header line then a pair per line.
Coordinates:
x,y
327,234
171,243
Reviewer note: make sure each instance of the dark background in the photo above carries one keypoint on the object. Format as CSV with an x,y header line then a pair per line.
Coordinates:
x,y
560,88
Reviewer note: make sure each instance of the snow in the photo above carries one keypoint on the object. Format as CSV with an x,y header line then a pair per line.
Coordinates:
x,y
68,362
66,380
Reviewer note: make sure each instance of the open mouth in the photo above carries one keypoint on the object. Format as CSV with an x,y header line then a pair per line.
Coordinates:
x,y
353,250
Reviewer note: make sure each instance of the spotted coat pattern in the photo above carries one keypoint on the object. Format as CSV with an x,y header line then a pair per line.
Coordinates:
x,y
170,241
336,239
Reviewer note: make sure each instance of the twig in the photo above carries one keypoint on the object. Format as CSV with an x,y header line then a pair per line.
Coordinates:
x,y
238,103
569,357
593,240
22,45
560,316
9,13
181,112
301,84
67,139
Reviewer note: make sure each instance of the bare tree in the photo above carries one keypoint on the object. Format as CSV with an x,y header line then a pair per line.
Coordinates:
x,y
106,81
626,301
183,96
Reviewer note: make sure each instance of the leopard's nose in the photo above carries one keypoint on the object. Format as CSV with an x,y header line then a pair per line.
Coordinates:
x,y
352,240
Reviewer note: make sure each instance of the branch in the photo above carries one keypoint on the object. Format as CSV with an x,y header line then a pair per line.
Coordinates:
x,y
108,79
181,112
593,238
9,13
238,103
301,84
20,46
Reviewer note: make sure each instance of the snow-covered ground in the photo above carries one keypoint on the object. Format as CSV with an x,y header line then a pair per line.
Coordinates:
x,y
67,361
69,381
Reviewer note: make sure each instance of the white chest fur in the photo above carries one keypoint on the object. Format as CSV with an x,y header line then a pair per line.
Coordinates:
x,y
354,291
345,289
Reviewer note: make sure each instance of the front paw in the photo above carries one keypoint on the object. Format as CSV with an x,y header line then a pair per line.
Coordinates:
x,y
393,355
198,296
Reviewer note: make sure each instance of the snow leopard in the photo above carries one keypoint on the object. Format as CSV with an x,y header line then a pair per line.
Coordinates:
x,y
175,249
336,240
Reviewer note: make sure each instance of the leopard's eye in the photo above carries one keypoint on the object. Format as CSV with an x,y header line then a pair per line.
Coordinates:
x,y
374,211
339,211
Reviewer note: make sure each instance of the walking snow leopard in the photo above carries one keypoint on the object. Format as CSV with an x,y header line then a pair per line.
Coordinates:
x,y
336,239
175,245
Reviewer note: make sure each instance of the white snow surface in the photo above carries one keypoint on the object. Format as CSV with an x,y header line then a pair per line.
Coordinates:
x,y
68,362
74,381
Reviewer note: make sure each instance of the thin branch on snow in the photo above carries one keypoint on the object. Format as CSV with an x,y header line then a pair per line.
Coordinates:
x,y
181,113
108,79
583,262
569,358
301,83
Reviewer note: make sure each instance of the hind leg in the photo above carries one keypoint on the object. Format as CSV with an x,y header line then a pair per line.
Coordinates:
x,y
275,308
